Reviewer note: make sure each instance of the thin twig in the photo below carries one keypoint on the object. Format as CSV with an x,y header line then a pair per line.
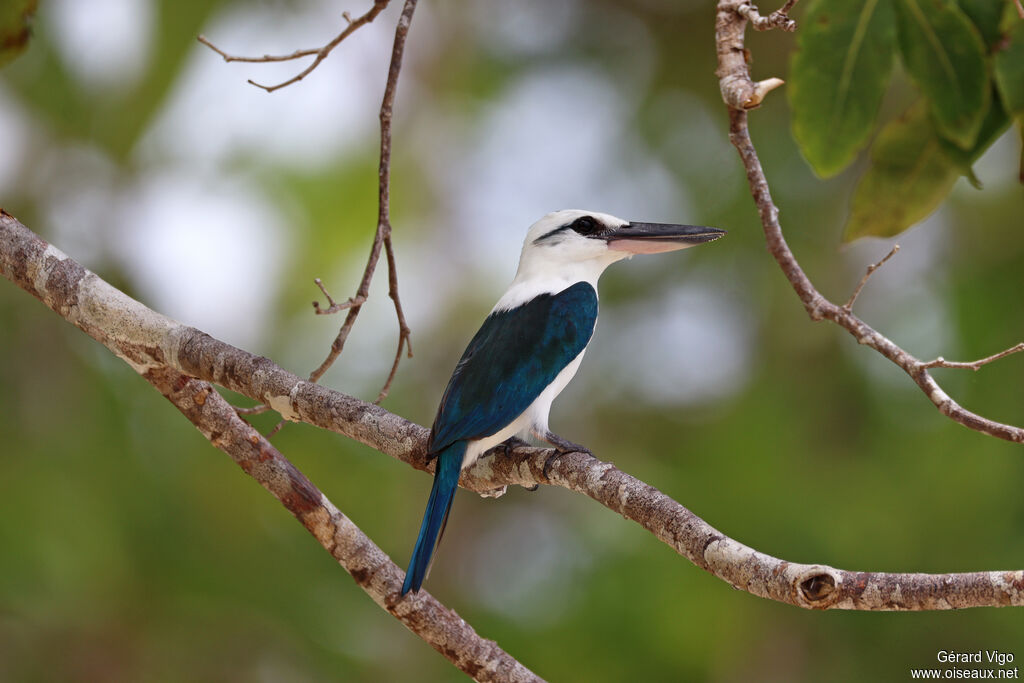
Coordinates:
x,y
320,53
975,365
384,189
382,236
332,306
737,87
848,306
298,54
404,333
777,19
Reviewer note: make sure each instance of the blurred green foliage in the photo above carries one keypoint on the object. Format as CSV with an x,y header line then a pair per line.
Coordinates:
x,y
134,551
842,68
15,21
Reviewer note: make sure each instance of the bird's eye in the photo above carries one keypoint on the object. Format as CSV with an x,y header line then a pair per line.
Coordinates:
x,y
585,225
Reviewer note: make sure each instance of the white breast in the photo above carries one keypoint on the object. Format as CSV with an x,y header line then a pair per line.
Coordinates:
x,y
534,418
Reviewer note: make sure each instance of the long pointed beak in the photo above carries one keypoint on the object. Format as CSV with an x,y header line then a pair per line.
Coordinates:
x,y
652,238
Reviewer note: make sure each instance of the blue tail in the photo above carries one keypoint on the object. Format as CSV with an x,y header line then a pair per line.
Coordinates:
x,y
446,481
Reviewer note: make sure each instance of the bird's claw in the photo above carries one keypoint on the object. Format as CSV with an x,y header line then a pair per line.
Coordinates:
x,y
564,445
512,443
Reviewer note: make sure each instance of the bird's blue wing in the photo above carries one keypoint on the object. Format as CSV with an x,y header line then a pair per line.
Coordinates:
x,y
514,356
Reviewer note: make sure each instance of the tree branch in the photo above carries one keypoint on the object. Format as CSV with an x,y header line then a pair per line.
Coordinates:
x,y
371,568
382,236
321,53
142,337
384,189
975,365
152,343
740,93
867,276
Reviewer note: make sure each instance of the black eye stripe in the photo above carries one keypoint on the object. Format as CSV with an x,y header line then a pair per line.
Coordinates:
x,y
551,234
587,226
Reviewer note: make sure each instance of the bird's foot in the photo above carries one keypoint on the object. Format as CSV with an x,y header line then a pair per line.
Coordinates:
x,y
512,443
564,445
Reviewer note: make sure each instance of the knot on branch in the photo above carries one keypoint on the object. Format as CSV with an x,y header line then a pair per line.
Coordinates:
x,y
817,588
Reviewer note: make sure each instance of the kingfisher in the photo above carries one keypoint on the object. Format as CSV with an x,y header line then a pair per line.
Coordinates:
x,y
529,348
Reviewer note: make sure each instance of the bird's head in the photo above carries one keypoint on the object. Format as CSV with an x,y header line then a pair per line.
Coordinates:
x,y
581,244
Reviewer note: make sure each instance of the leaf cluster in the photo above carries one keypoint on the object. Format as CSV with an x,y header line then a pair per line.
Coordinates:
x,y
966,58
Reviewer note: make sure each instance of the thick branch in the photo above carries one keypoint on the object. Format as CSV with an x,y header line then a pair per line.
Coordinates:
x,y
159,349
737,89
150,342
371,568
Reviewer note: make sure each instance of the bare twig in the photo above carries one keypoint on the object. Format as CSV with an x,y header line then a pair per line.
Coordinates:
x,y
384,189
150,342
320,53
777,19
298,54
737,88
975,365
382,236
848,306
332,306
404,333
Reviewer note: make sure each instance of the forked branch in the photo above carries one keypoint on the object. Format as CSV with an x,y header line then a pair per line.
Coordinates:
x,y
320,53
382,235
739,93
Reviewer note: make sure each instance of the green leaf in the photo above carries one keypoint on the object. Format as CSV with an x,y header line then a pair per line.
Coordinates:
x,y
838,76
912,170
1009,70
909,177
1009,75
14,27
985,15
995,124
944,54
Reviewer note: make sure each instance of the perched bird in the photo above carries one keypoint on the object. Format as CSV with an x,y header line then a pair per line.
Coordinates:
x,y
529,347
